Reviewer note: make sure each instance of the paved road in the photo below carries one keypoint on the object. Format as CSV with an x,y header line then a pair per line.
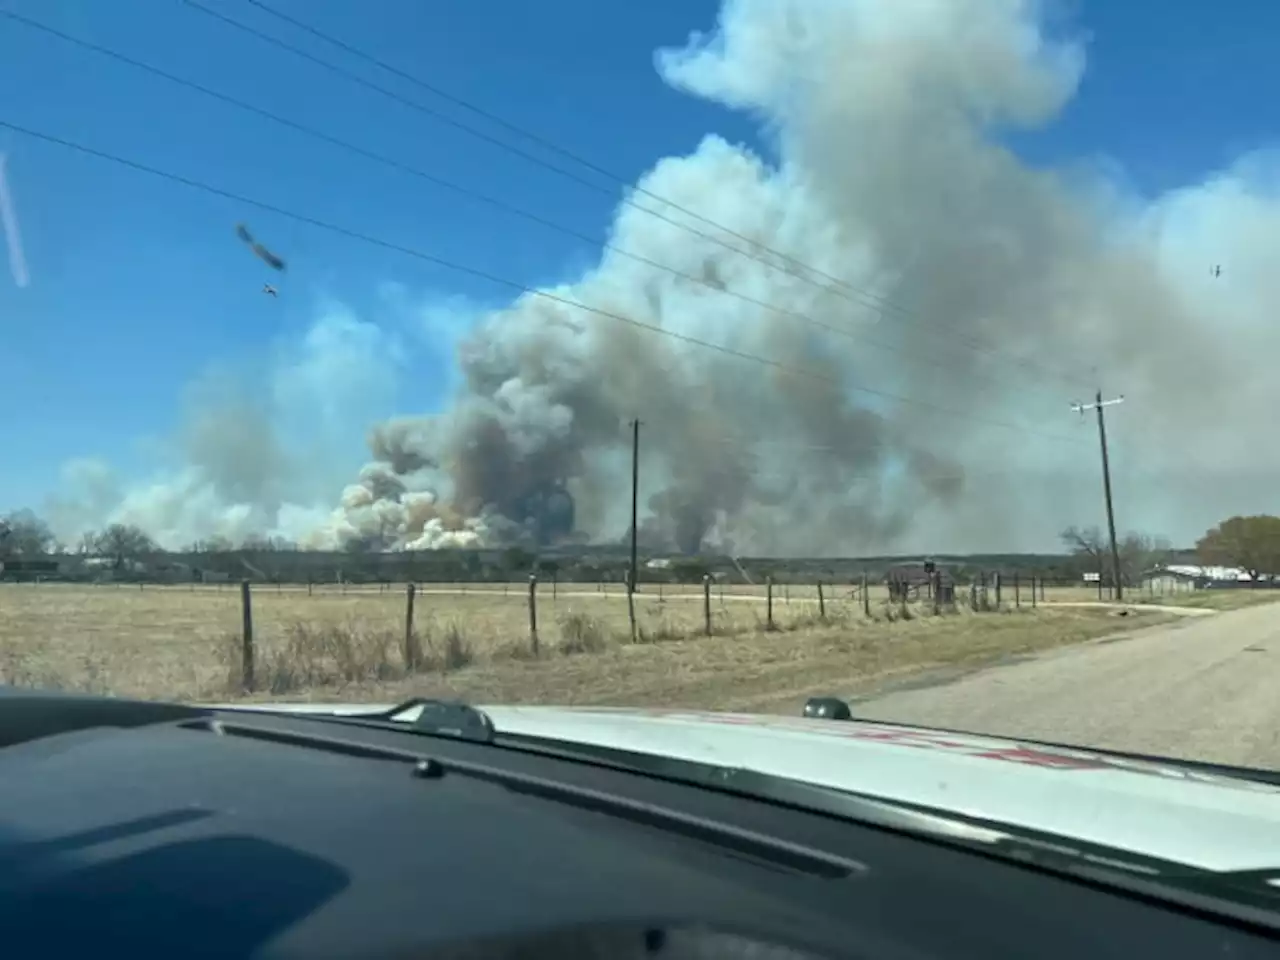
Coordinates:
x,y
1204,688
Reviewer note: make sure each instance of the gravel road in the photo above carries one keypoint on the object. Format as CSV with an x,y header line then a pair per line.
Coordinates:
x,y
1205,688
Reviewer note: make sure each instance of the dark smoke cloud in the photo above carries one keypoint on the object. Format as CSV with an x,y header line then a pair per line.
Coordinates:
x,y
1015,291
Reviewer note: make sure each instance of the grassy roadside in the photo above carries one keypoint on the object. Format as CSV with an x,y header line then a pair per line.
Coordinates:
x,y
754,671
185,644
1214,599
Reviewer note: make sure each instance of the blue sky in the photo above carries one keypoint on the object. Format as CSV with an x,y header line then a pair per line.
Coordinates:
x,y
138,285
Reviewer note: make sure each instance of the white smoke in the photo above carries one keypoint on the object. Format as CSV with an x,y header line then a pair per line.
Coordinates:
x,y
260,451
886,117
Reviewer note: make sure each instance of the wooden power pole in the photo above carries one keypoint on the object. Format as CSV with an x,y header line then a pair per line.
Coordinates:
x,y
635,503
1098,405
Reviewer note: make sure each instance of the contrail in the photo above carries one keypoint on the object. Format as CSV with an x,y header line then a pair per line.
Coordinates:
x,y
13,238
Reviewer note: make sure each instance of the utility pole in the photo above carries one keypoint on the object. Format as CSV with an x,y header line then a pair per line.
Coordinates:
x,y
635,502
1098,404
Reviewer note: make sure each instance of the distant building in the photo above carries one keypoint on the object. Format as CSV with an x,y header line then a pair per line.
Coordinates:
x,y
17,568
1191,571
1195,576
916,573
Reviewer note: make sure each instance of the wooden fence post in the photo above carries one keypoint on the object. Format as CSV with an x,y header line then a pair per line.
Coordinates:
x,y
768,603
631,612
822,603
533,613
246,637
706,603
997,578
1017,590
866,595
411,652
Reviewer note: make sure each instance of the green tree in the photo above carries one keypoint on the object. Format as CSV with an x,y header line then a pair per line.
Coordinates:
x,y
689,571
1250,543
517,561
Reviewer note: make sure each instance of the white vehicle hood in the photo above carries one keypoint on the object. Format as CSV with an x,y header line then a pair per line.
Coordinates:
x,y
1194,818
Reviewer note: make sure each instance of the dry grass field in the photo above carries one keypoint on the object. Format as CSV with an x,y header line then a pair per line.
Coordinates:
x,y
347,643
1216,599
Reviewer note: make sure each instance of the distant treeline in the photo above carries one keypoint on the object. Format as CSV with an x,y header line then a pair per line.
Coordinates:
x,y
582,565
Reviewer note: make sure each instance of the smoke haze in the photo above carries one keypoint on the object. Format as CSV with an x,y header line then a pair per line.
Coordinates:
x,y
1013,291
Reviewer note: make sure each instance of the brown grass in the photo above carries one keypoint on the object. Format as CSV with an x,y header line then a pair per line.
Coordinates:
x,y
1234,599
184,643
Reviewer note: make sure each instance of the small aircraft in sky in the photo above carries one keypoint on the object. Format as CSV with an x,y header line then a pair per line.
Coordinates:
x,y
269,290
1216,271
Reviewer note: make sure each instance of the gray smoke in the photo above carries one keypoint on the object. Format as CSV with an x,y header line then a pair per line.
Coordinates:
x,y
1013,292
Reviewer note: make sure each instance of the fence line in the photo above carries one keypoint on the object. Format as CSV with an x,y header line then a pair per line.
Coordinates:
x,y
984,596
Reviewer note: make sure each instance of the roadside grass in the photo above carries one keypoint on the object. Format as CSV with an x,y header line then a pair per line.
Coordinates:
x,y
1235,599
178,644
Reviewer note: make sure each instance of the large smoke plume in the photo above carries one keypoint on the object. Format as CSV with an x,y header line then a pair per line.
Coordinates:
x,y
1011,292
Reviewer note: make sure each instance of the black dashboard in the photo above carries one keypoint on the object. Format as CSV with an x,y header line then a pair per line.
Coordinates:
x,y
156,829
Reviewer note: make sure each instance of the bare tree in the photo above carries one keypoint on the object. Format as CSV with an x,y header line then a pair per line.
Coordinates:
x,y
120,540
1139,553
215,544
264,544
24,534
1086,542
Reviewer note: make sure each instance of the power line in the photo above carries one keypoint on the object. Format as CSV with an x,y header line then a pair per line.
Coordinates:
x,y
788,369
792,266
468,191
783,448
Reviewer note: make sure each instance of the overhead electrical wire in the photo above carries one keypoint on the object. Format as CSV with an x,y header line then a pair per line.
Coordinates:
x,y
474,194
784,368
783,448
791,266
